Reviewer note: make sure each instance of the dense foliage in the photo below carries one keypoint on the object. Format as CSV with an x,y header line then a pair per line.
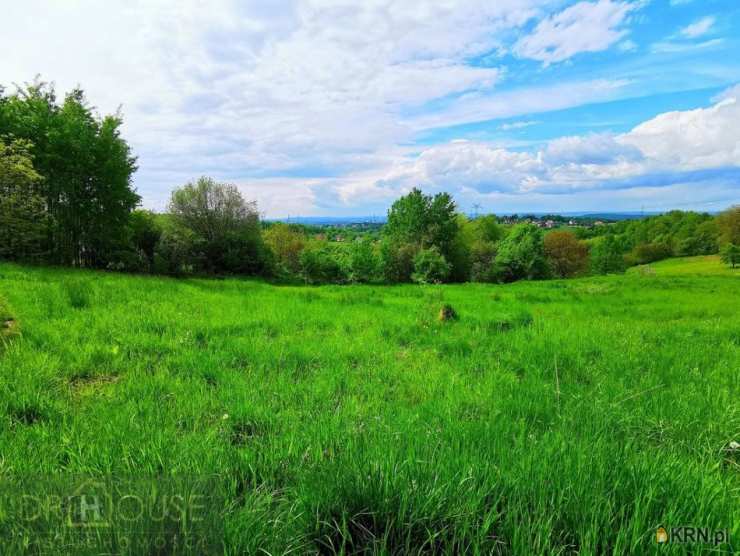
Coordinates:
x,y
22,209
86,169
67,198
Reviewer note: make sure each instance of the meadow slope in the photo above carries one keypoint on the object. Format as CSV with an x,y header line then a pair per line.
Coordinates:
x,y
549,418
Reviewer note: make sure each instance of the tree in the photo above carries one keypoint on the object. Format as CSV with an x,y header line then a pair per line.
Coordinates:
x,y
483,256
430,267
730,254
481,237
566,255
227,226
144,232
363,263
728,225
87,169
421,222
23,218
286,244
522,255
319,265
486,228
397,261
606,256
408,218
645,253
177,251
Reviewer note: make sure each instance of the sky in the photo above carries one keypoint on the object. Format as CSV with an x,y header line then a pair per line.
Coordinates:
x,y
337,107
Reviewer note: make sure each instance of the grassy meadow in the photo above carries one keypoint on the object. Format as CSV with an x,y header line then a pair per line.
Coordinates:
x,y
552,417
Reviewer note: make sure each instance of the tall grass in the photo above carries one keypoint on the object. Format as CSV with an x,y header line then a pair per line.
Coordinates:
x,y
548,418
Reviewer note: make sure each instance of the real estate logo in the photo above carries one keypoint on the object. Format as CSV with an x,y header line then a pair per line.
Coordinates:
x,y
688,534
661,536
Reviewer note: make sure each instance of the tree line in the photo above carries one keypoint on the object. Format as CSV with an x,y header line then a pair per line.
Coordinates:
x,y
66,197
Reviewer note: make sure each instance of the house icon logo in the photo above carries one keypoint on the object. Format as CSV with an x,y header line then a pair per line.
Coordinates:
x,y
87,505
661,536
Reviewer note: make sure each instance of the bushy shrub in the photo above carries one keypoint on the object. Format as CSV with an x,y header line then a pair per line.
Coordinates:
x,y
226,227
363,262
648,253
606,256
483,256
286,245
144,233
730,254
430,267
176,251
320,265
397,261
521,255
566,255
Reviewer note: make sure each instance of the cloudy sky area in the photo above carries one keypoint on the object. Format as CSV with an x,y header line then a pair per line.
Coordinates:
x,y
335,107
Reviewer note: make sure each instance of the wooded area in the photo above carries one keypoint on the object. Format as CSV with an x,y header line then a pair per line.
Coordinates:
x,y
68,198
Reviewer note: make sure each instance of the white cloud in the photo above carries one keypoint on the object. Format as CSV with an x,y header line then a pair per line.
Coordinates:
x,y
668,47
583,27
517,125
698,28
601,149
313,105
514,102
244,89
672,148
692,139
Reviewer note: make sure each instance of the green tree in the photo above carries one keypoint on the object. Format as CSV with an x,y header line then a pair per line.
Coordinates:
x,y
144,233
227,226
87,169
23,218
320,265
481,237
177,250
566,255
423,221
430,267
397,261
286,244
363,263
728,224
730,254
521,255
645,253
606,256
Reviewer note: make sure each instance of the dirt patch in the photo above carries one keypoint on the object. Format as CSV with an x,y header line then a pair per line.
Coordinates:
x,y
447,313
8,326
88,385
8,329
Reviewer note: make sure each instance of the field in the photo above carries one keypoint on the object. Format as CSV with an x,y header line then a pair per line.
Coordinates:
x,y
706,265
548,418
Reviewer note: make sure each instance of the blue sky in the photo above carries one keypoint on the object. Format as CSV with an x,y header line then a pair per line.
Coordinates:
x,y
334,107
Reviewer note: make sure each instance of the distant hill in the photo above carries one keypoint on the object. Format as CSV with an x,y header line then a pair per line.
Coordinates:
x,y
380,219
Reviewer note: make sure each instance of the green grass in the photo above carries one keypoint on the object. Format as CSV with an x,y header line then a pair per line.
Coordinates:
x,y
706,265
549,418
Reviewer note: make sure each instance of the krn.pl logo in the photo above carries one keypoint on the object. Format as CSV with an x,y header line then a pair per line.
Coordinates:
x,y
661,536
